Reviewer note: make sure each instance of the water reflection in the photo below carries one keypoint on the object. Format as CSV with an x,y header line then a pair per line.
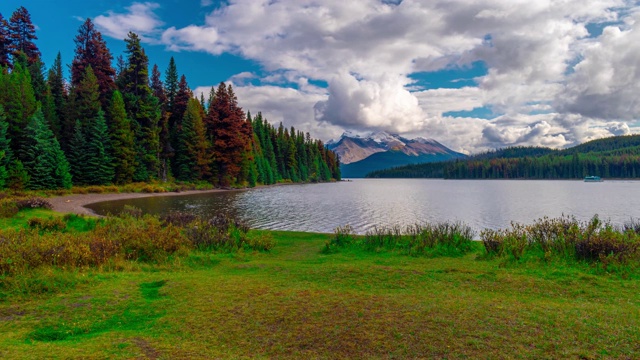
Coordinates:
x,y
367,203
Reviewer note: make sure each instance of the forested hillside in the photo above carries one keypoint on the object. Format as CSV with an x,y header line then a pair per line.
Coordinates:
x,y
126,124
615,157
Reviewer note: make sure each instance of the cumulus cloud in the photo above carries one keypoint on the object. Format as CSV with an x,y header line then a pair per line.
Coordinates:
x,y
550,82
606,82
139,18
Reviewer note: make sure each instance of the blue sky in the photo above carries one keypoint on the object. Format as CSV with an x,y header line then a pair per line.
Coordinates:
x,y
474,75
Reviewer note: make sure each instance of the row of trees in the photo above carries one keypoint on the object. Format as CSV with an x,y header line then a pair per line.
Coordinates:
x,y
124,124
617,157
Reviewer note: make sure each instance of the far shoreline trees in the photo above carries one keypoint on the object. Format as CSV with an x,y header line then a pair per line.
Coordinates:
x,y
108,126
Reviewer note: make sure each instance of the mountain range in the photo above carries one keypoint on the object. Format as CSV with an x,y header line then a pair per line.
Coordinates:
x,y
360,155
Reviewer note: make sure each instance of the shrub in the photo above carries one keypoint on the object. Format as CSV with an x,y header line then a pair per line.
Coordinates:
x,y
492,241
51,224
131,211
33,202
8,208
178,218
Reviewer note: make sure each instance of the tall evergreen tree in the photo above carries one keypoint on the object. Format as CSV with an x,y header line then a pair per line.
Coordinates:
x,y
83,105
229,133
77,155
4,43
171,84
193,155
22,33
55,81
5,151
16,95
91,51
122,141
38,81
98,168
44,160
144,109
167,151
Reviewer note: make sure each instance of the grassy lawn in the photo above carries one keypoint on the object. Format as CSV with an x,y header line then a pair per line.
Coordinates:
x,y
296,302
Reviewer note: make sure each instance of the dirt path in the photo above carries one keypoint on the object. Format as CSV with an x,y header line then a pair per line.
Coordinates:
x,y
76,203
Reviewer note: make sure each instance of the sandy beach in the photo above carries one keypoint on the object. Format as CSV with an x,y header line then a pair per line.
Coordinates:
x,y
76,203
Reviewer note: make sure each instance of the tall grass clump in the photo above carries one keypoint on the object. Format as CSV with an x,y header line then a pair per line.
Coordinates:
x,y
438,239
594,242
222,233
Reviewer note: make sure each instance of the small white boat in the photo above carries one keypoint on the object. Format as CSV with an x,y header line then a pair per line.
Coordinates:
x,y
592,179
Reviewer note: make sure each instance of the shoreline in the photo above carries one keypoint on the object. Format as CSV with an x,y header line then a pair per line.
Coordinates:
x,y
77,203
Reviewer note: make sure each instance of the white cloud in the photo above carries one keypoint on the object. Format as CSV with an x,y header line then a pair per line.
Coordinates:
x,y
554,83
140,18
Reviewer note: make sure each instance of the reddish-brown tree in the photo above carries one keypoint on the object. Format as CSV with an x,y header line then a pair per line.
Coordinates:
x,y
230,134
4,42
22,33
91,50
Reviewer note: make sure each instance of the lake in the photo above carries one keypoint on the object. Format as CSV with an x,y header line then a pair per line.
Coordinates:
x,y
365,203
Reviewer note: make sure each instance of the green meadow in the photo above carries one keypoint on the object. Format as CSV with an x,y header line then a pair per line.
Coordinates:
x,y
271,294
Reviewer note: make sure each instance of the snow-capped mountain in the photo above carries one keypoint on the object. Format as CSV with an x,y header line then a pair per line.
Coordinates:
x,y
381,150
352,147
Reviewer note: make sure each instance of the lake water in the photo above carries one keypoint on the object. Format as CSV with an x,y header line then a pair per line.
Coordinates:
x,y
365,203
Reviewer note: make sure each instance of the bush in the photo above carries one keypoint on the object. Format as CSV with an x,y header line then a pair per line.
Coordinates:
x,y
33,202
178,218
8,208
51,224
594,242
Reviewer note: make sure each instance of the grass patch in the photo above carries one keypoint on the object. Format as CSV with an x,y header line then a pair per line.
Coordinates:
x,y
429,240
295,301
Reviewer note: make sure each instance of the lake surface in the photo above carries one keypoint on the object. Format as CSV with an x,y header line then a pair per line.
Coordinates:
x,y
365,203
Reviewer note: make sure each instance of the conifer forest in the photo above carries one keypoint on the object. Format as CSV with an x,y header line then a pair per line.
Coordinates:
x,y
123,122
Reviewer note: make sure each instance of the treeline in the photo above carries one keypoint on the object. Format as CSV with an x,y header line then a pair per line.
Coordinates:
x,y
126,124
615,157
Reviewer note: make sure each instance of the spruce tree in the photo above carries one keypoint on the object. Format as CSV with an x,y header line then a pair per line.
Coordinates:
x,y
83,105
5,151
16,95
98,168
77,155
91,51
55,81
4,43
144,108
122,140
44,161
22,33
231,135
193,155
171,84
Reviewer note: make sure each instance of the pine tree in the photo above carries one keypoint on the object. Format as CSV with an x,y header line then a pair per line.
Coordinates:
x,y
44,160
98,168
230,134
122,141
16,95
91,51
58,92
193,155
77,155
144,108
83,105
4,43
5,151
22,33
171,84
38,81
167,151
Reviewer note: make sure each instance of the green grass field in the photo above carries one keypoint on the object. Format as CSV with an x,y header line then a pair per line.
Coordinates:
x,y
296,302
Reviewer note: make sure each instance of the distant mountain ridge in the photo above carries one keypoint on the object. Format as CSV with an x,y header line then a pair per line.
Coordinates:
x,y
360,155
612,157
